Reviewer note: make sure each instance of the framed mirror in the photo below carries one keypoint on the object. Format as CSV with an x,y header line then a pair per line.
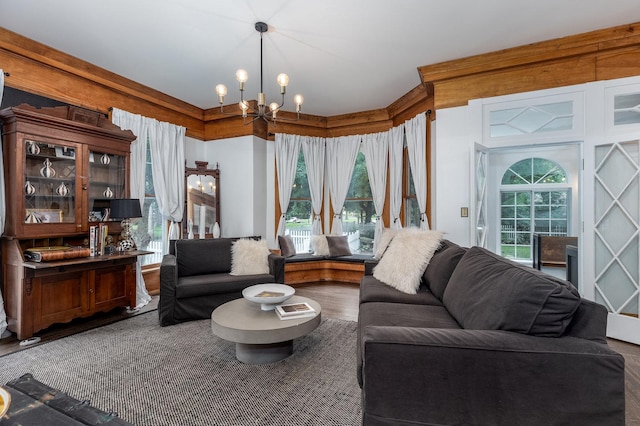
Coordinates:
x,y
202,199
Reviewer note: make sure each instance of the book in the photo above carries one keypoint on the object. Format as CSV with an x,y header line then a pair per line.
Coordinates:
x,y
269,294
295,311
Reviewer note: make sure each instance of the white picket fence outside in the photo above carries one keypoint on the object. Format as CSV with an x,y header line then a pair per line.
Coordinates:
x,y
156,257
302,239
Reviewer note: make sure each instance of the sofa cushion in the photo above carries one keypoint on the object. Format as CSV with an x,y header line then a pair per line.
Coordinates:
x,y
206,256
338,245
319,245
489,292
287,248
206,285
249,257
385,240
373,290
406,258
441,266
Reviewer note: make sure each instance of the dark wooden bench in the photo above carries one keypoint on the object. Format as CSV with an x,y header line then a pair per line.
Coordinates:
x,y
305,267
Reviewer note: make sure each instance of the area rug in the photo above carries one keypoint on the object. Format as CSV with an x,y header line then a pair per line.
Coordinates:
x,y
185,375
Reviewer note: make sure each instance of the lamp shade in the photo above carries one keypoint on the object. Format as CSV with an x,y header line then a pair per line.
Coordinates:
x,y
125,208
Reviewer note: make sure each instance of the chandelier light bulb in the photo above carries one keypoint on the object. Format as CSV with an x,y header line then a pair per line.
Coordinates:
x,y
273,107
242,76
221,90
283,80
298,99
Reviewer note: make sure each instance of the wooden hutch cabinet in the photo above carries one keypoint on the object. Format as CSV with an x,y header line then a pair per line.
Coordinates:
x,y
61,166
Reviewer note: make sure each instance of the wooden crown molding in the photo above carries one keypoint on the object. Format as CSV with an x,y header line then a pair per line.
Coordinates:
x,y
552,63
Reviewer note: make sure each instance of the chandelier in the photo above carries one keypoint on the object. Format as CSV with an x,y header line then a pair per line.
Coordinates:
x,y
267,113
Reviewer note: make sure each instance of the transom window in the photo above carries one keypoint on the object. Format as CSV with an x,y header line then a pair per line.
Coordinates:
x,y
534,198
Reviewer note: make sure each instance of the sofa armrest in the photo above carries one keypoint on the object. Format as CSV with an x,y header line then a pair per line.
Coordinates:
x,y
369,265
276,267
168,282
457,376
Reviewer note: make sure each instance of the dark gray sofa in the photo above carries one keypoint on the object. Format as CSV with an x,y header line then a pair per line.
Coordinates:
x,y
195,279
485,341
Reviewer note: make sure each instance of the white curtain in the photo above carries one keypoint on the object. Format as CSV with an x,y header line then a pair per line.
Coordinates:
x,y
313,151
3,211
376,152
139,125
287,149
396,145
341,157
166,143
416,131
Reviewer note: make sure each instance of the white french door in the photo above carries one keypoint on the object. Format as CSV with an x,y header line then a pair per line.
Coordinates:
x,y
615,235
480,171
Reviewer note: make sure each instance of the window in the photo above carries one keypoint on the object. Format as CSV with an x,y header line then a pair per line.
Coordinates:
x,y
148,230
359,213
534,198
300,211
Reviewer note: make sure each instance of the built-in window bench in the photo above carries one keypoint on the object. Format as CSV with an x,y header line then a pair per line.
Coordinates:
x,y
305,267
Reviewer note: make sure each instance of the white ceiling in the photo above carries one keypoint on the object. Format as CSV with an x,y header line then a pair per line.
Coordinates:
x,y
342,55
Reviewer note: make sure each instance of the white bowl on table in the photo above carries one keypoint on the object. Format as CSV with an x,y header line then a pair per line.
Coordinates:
x,y
268,296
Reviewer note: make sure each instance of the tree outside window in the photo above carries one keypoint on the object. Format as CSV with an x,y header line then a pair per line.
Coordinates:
x,y
359,213
147,230
411,207
299,214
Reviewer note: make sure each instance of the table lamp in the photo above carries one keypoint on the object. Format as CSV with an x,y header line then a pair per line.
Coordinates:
x,y
125,209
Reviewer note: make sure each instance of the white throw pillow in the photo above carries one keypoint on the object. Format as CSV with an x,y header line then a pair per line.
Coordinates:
x,y
383,244
319,245
406,259
249,257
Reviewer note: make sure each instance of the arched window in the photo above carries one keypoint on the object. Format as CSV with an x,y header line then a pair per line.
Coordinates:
x,y
534,198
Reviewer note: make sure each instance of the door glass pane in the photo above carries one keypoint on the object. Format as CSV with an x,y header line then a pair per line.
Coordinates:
x,y
106,181
626,109
531,119
49,183
616,239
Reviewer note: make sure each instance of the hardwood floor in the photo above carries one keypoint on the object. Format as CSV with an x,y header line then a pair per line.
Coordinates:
x,y
340,301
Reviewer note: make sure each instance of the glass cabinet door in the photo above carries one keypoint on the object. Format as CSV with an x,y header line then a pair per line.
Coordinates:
x,y
107,177
49,183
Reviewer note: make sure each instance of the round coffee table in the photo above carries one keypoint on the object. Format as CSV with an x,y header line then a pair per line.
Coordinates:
x,y
261,336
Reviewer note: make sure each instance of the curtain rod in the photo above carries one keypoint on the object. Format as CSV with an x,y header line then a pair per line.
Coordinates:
x,y
6,74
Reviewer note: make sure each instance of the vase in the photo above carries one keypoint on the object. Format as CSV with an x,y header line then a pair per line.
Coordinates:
x,y
62,190
29,189
47,171
33,148
216,230
105,159
190,229
108,193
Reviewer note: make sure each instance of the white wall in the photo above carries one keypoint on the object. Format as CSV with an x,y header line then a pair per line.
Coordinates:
x,y
243,181
452,155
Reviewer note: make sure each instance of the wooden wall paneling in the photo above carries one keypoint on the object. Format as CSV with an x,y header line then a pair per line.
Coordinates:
x,y
457,92
553,63
618,64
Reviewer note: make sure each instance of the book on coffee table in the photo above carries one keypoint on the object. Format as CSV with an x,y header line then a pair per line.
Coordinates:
x,y
295,311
